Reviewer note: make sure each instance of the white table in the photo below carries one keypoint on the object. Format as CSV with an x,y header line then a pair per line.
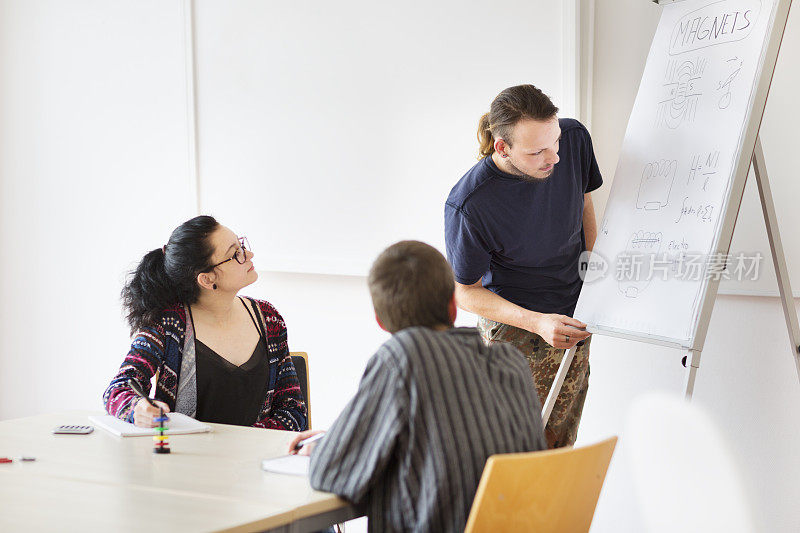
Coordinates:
x,y
100,482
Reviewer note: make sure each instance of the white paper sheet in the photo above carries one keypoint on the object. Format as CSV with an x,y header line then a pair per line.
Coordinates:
x,y
293,465
179,424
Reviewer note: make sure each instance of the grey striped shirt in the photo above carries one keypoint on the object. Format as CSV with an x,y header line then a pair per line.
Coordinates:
x,y
432,406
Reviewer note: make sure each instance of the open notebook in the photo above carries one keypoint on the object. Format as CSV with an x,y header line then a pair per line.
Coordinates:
x,y
294,465
178,424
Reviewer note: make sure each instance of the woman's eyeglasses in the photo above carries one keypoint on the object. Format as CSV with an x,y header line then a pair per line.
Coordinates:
x,y
240,256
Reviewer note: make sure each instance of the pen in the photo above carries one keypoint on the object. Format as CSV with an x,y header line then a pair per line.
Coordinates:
x,y
309,440
580,343
138,390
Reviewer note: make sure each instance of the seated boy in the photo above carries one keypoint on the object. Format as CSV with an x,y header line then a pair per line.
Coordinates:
x,y
434,403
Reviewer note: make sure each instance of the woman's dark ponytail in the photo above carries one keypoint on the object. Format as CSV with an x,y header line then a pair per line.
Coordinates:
x,y
168,276
148,290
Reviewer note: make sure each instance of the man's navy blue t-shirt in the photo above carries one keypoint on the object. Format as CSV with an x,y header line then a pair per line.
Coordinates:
x,y
524,238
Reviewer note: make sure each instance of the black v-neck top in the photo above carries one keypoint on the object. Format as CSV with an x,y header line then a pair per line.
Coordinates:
x,y
230,394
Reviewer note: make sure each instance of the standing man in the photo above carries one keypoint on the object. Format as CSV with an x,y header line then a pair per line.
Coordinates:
x,y
515,227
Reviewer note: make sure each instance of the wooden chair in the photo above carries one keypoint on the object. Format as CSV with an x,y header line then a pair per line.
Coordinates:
x,y
300,361
553,490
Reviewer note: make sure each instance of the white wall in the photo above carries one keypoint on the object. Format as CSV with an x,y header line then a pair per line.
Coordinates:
x,y
747,380
322,110
94,171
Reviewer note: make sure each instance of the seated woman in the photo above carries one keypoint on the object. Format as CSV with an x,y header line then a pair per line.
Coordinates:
x,y
218,357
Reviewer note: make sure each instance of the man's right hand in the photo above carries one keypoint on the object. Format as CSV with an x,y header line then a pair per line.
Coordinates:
x,y
144,413
552,328
303,435
556,329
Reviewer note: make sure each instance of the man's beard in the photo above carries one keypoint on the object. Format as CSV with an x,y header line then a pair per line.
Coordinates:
x,y
527,177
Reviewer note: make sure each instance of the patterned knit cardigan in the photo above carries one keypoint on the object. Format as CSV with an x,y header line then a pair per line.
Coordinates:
x,y
159,349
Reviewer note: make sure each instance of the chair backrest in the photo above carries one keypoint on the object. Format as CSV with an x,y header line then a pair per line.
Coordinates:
x,y
553,490
300,361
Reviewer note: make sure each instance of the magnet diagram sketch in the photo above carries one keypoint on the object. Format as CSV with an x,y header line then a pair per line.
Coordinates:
x,y
680,92
734,66
634,266
656,184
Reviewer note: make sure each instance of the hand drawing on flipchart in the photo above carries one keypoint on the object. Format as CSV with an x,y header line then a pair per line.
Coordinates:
x,y
656,184
734,65
634,264
703,168
681,92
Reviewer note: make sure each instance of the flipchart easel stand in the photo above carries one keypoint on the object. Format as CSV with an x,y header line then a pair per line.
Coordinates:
x,y
691,359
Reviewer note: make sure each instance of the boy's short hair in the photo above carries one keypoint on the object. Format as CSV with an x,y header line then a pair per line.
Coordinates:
x,y
411,284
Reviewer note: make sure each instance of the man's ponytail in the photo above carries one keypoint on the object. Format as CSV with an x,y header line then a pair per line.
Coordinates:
x,y
485,137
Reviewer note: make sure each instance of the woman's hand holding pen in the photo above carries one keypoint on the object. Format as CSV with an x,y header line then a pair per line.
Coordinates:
x,y
144,414
146,410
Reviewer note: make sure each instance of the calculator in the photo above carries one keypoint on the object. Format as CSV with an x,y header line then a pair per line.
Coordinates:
x,y
73,430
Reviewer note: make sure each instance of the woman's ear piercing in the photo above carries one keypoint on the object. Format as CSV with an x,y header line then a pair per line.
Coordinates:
x,y
214,286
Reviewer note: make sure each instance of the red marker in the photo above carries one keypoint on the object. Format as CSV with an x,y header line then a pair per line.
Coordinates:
x,y
6,460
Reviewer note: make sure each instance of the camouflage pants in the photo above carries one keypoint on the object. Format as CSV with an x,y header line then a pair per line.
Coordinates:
x,y
544,360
